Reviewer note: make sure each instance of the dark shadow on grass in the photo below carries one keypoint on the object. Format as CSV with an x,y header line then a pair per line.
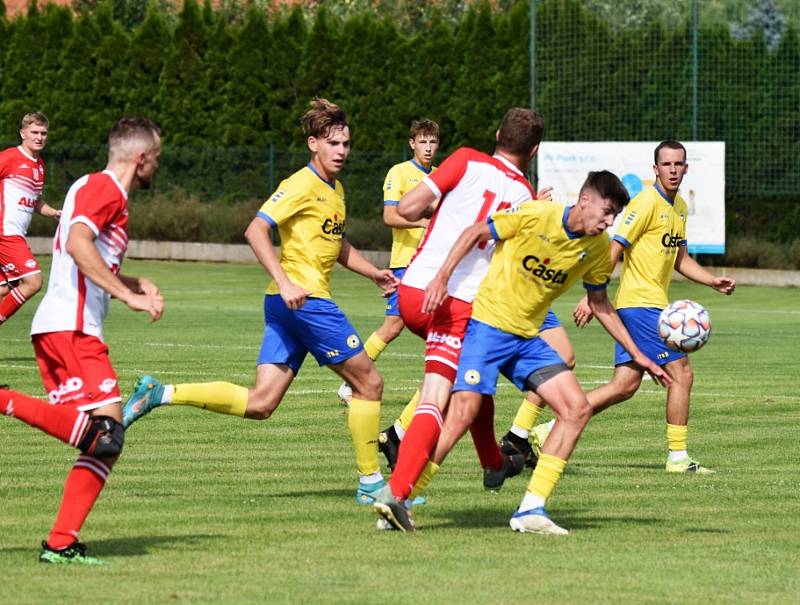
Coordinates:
x,y
324,493
131,547
707,530
477,518
618,465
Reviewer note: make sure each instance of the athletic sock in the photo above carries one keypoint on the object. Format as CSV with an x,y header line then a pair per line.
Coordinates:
x,y
364,420
676,440
84,484
11,304
219,397
545,476
424,479
483,437
374,346
65,423
415,449
407,415
526,418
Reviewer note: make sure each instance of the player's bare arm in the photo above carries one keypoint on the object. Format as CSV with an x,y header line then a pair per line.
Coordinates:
x,y
436,291
417,204
607,316
80,246
392,218
352,259
691,269
583,314
257,235
47,210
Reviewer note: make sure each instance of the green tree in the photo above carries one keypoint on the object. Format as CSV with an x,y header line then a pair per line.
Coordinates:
x,y
289,38
317,71
181,96
150,45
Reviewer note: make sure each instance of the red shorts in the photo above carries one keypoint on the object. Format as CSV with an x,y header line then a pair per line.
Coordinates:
x,y
16,259
443,330
76,370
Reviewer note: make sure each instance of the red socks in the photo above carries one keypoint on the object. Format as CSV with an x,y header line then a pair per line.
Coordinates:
x,y
11,304
415,449
65,423
482,431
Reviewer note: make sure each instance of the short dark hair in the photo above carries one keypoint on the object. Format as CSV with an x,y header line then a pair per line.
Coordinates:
x,y
669,144
424,126
323,115
520,131
608,186
126,133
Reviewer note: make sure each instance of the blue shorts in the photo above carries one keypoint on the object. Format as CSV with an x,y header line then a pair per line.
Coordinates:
x,y
488,352
319,327
642,325
392,307
550,321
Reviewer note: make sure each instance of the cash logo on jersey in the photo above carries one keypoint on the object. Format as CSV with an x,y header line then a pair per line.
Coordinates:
x,y
532,264
669,240
333,226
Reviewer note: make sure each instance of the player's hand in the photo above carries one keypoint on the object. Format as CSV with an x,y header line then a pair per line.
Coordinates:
x,y
545,193
723,284
152,304
656,372
435,294
148,287
387,281
293,295
582,313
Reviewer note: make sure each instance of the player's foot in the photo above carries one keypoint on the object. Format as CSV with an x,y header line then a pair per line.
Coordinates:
x,y
539,435
687,465
493,478
514,444
75,553
147,394
535,521
392,511
345,393
365,494
389,446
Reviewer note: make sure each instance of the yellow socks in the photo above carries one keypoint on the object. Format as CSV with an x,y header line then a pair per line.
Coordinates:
x,y
364,420
525,420
219,397
374,346
424,479
407,415
547,473
676,439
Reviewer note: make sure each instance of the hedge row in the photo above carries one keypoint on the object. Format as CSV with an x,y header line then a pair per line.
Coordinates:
x,y
229,91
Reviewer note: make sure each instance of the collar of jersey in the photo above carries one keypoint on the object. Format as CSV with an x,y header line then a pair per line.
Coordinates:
x,y
564,217
420,166
331,184
25,153
507,163
664,195
113,176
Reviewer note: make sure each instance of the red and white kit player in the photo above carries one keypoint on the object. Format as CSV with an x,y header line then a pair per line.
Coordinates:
x,y
67,331
21,183
469,186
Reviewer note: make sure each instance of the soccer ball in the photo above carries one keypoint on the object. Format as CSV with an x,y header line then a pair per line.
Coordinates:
x,y
684,326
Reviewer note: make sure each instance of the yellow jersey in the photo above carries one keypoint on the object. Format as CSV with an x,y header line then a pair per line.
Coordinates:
x,y
309,213
652,230
401,179
535,261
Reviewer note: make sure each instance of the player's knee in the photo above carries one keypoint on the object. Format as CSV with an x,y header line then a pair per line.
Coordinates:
x,y
577,413
104,438
370,387
31,285
261,406
569,359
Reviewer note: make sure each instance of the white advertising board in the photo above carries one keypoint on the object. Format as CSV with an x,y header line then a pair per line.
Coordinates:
x,y
563,166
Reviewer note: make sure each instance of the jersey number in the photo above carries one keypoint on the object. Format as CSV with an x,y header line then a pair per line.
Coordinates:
x,y
488,200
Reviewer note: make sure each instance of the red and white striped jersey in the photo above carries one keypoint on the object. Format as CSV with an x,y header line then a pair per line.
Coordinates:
x,y
472,185
73,301
21,182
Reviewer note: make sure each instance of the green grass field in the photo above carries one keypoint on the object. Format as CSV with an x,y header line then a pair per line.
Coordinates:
x,y
203,508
